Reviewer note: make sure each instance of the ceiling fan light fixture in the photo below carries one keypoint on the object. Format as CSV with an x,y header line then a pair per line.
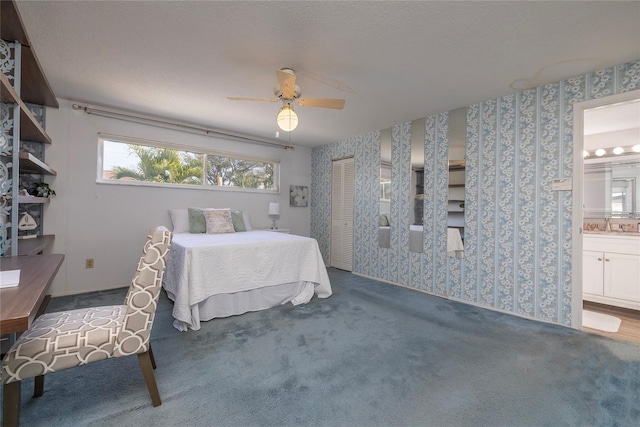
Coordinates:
x,y
287,118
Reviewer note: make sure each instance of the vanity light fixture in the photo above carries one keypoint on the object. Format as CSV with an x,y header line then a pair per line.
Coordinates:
x,y
620,150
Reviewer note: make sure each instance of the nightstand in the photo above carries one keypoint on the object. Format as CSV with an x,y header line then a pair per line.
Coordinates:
x,y
277,230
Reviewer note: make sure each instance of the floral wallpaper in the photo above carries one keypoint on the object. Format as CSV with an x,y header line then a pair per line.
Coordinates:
x,y
517,231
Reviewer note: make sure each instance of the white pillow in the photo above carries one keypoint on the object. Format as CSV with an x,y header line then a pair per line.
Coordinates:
x,y
245,219
180,220
219,221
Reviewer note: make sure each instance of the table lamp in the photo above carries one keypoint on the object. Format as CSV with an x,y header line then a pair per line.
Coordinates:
x,y
274,212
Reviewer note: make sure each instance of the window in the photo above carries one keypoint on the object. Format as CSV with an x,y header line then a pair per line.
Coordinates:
x,y
136,162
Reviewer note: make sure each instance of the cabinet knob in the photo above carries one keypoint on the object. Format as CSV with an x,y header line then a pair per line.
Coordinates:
x,y
599,259
606,259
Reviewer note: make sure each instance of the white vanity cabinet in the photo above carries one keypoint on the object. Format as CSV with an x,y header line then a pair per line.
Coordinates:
x,y
611,270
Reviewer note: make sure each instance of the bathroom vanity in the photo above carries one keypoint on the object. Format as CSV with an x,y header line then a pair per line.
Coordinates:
x,y
611,268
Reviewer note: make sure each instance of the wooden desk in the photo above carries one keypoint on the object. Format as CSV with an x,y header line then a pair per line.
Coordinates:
x,y
20,305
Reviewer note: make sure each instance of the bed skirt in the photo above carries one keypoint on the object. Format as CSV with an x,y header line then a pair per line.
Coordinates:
x,y
225,305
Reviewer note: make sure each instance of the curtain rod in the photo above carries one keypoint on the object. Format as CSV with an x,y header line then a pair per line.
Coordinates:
x,y
183,127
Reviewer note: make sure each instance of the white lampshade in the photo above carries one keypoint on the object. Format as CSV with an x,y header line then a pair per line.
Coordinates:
x,y
274,208
287,119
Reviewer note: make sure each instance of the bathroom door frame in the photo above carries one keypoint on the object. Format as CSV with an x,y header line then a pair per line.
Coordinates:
x,y
577,188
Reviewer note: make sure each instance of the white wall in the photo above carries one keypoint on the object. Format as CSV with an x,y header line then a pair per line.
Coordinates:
x,y
109,222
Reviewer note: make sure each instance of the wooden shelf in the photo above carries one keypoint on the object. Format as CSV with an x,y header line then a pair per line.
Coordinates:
x,y
11,26
32,199
30,128
35,245
34,86
31,164
8,93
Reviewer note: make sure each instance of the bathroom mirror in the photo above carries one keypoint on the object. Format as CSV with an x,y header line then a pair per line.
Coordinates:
x,y
611,179
457,138
612,188
384,219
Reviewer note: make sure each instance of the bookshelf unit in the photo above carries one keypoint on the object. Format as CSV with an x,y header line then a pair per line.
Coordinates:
x,y
24,93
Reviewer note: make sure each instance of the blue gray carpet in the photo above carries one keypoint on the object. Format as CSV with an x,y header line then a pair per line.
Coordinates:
x,y
373,354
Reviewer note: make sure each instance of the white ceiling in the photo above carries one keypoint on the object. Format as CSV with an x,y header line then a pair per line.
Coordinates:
x,y
611,118
615,125
392,61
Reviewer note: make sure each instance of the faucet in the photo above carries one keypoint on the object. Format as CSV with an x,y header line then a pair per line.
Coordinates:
x,y
607,224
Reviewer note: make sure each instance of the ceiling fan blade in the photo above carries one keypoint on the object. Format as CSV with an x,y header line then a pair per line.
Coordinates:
x,y
287,82
238,98
337,104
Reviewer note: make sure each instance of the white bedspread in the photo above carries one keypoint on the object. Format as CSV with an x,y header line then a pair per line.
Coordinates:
x,y
202,265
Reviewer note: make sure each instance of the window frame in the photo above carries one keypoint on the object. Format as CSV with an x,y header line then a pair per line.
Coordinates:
x,y
102,137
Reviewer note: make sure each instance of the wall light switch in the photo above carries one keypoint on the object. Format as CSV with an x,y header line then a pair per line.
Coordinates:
x,y
562,184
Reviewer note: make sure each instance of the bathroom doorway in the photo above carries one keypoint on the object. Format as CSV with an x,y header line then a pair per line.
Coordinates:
x,y
606,132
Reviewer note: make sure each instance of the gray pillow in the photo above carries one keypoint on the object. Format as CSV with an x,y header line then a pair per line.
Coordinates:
x,y
238,221
197,221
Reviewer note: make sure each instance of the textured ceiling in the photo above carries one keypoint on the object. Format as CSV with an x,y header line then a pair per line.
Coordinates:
x,y
392,61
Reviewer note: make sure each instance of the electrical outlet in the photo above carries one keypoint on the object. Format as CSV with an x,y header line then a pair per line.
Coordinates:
x,y
89,263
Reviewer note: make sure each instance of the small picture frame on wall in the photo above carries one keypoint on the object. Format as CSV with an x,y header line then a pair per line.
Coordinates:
x,y
298,196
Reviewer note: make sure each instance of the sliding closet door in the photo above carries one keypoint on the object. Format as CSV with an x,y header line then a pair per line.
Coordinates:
x,y
342,214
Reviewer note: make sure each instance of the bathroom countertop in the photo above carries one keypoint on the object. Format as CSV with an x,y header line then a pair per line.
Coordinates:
x,y
613,233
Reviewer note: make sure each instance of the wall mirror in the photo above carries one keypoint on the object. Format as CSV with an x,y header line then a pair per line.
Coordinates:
x,y
457,142
417,186
384,219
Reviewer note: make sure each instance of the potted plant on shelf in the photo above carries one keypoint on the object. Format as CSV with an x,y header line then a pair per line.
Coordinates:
x,y
42,189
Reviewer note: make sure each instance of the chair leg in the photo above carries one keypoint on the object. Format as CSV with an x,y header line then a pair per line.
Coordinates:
x,y
11,404
38,386
153,360
147,370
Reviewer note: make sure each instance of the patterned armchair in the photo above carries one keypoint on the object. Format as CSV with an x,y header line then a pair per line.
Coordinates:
x,y
58,341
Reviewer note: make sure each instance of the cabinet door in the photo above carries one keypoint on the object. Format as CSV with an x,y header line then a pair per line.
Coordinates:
x,y
592,272
342,191
622,276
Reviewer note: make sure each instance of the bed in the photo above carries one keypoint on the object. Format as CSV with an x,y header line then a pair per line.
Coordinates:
x,y
220,275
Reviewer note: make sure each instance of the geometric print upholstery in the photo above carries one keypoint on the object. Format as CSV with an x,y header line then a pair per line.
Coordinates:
x,y
62,340
142,298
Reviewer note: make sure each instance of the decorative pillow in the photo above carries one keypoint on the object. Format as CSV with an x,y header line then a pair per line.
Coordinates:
x,y
180,220
238,222
383,221
218,221
245,219
197,221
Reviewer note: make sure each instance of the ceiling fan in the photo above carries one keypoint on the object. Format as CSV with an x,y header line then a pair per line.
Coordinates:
x,y
288,92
